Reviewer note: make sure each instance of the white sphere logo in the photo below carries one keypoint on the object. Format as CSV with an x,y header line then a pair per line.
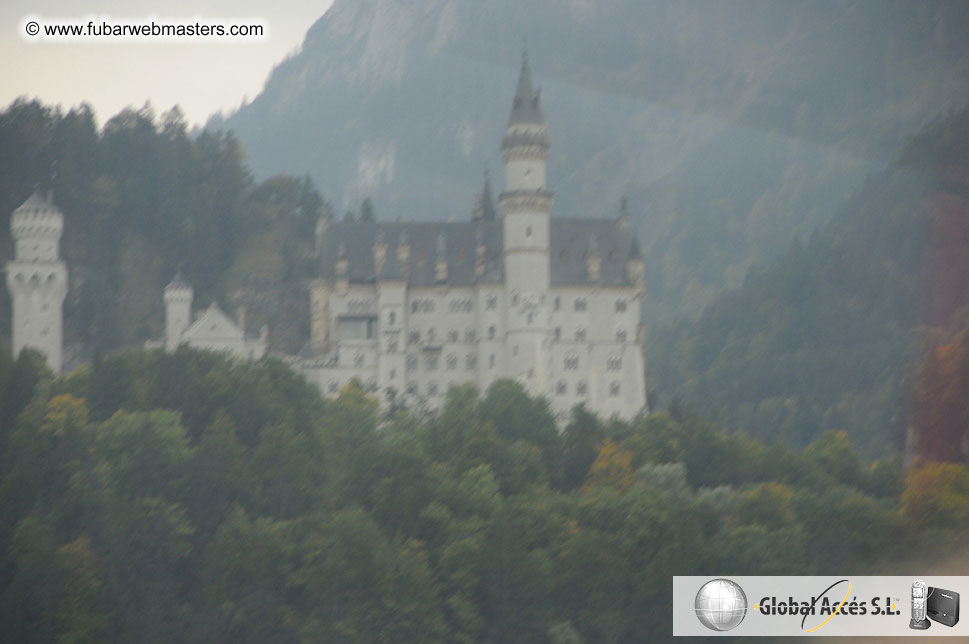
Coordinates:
x,y
721,605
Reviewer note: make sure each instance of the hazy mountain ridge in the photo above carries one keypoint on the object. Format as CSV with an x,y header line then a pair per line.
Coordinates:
x,y
829,336
795,102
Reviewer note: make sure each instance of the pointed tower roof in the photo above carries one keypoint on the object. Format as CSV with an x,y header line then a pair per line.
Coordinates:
x,y
178,282
526,107
484,207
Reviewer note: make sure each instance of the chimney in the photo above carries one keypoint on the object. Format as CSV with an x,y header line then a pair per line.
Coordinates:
x,y
440,266
593,263
403,252
379,252
342,270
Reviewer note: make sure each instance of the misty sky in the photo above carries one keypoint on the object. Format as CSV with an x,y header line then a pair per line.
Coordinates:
x,y
201,78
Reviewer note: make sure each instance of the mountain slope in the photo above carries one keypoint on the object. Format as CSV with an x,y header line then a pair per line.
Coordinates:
x,y
732,127
829,335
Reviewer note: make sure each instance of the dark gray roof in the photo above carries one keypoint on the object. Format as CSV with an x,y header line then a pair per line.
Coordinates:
x,y
570,243
459,243
526,106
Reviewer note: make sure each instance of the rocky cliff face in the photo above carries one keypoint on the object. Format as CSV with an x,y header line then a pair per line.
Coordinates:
x,y
732,126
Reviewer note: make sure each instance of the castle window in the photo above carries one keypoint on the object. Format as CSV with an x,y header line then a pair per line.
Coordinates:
x,y
430,334
514,350
469,335
580,388
334,386
391,318
614,363
422,305
392,347
460,306
528,231
393,374
614,390
560,388
530,318
514,299
471,362
432,389
620,306
580,304
411,363
491,332
571,362
558,333
621,335
452,362
411,388
491,302
431,363
580,335
556,304
491,361
358,360
415,337
371,386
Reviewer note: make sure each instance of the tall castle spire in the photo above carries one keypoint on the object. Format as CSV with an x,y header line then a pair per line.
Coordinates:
x,y
526,107
484,207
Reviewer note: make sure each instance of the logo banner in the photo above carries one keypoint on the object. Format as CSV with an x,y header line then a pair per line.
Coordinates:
x,y
922,606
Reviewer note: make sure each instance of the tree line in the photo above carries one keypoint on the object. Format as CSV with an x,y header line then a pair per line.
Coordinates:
x,y
187,497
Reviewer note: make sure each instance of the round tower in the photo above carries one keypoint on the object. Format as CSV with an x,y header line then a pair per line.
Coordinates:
x,y
37,279
178,310
525,208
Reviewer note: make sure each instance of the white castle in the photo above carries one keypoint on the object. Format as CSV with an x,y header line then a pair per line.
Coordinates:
x,y
37,279
413,308
551,302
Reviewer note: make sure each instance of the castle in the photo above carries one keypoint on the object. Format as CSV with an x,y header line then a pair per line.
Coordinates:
x,y
413,308
553,303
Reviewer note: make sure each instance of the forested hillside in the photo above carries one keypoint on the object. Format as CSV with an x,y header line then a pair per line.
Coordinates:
x,y
142,198
831,334
183,497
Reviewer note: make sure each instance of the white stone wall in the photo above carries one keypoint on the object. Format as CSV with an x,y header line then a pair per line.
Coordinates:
x,y
447,336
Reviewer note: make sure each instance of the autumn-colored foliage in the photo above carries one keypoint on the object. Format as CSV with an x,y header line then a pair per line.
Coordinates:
x,y
937,495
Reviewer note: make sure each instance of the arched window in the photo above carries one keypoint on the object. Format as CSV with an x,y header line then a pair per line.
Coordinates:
x,y
621,335
571,362
580,335
452,362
